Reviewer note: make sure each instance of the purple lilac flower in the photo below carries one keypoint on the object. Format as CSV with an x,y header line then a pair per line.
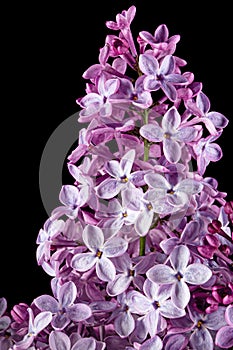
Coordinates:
x,y
98,103
134,94
124,322
179,274
207,151
65,309
51,229
201,337
60,341
171,133
224,336
217,119
137,202
115,216
160,76
129,271
155,306
154,343
160,42
167,198
123,21
73,199
99,254
35,326
121,176
189,237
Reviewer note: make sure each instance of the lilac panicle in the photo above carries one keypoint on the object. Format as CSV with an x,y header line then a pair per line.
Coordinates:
x,y
140,250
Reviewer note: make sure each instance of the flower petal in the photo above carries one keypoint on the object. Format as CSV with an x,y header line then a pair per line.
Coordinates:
x,y
170,310
148,64
118,285
180,295
143,222
79,312
201,339
115,246
109,188
161,274
59,341
152,132
197,274
67,293
93,238
168,65
157,181
224,337
154,343
85,344
46,303
172,150
83,262
69,196
113,168
179,258
124,324
105,269
213,152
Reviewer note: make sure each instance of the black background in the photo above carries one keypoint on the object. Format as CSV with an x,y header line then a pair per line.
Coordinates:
x,y
45,50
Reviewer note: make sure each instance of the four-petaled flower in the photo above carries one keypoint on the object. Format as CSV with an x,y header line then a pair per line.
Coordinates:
x,y
179,274
160,76
65,309
121,176
171,133
99,254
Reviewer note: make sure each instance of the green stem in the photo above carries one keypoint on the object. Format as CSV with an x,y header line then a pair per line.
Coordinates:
x,y
142,245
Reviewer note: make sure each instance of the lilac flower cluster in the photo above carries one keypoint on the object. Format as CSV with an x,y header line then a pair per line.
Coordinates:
x,y
140,250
